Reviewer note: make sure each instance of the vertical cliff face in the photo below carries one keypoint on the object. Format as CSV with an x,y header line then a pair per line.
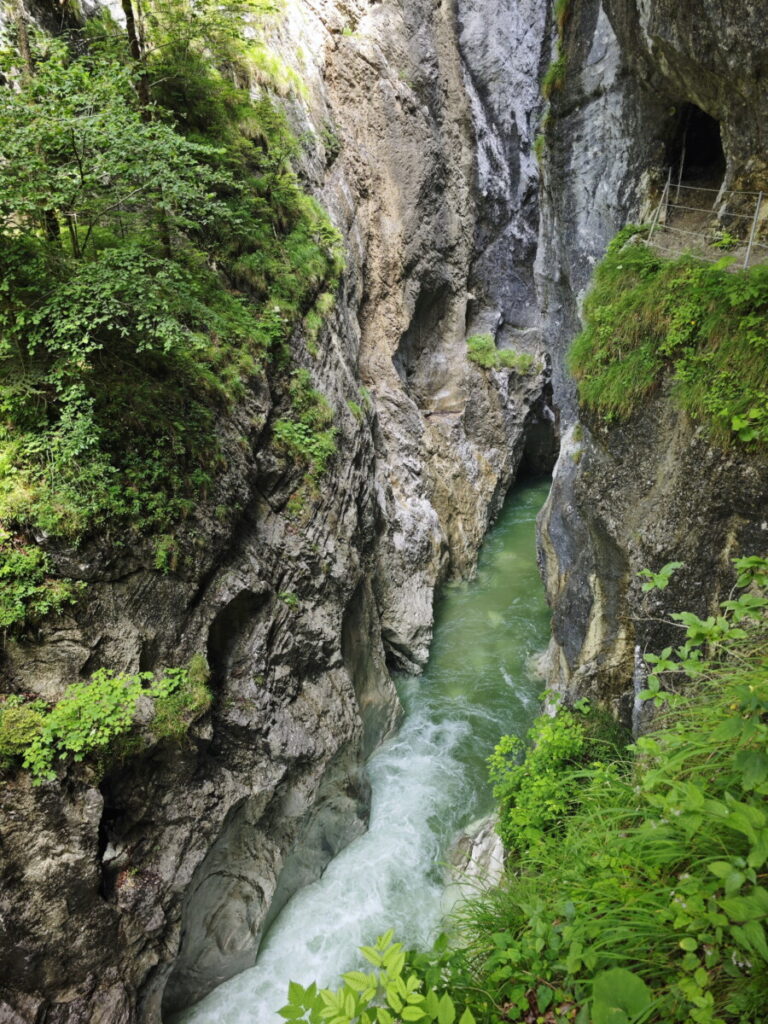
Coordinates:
x,y
435,179
132,895
631,496
615,127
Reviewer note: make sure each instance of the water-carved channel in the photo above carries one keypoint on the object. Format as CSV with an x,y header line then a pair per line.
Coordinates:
x,y
429,781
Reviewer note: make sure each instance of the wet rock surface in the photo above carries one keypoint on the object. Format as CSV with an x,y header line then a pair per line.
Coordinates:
x,y
630,497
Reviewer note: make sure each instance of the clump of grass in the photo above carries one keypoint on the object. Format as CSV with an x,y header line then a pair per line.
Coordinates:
x,y
307,432
562,15
481,349
554,77
701,325
180,705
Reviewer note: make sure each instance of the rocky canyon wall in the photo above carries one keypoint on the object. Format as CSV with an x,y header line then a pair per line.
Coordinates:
x,y
129,896
636,495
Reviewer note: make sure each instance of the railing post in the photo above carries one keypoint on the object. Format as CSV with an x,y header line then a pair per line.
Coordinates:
x,y
754,229
663,199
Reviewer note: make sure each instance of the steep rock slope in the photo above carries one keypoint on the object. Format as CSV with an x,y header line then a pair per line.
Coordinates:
x,y
637,495
154,883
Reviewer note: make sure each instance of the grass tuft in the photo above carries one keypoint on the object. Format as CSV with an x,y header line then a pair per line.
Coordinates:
x,y
701,325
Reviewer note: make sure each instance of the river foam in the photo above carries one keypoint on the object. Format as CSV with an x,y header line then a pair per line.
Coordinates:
x,y
428,782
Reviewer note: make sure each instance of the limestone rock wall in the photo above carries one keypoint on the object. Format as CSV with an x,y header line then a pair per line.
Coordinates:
x,y
653,490
126,897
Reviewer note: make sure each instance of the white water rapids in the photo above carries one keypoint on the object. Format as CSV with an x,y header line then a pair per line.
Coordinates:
x,y
428,781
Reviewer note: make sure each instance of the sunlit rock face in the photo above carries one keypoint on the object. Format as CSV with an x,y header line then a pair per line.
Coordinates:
x,y
432,110
132,897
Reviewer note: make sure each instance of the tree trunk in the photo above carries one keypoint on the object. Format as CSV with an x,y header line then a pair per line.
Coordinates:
x,y
24,49
142,85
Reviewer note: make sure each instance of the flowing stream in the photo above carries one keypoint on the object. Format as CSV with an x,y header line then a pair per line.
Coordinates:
x,y
429,781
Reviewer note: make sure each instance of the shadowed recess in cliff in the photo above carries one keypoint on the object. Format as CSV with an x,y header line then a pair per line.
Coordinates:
x,y
429,781
417,345
233,626
695,150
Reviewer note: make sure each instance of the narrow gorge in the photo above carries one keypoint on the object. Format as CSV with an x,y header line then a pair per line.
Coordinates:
x,y
447,212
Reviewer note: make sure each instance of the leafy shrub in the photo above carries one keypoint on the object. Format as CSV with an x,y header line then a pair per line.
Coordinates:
x,y
539,787
481,349
93,719
702,325
155,257
28,589
20,723
386,994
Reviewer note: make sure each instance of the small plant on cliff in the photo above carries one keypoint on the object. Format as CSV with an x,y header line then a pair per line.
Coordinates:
x,y
92,718
481,349
28,588
562,15
20,723
554,77
307,432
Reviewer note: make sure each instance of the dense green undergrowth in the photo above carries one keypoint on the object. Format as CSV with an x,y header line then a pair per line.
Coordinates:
x,y
703,326
636,883
96,720
157,252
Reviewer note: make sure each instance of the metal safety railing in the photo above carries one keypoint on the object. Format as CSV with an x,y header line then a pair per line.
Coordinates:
x,y
741,230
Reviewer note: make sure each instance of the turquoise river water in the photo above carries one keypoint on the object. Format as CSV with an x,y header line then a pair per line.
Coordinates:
x,y
429,780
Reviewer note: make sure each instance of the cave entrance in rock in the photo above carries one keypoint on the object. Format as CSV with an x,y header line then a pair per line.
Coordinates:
x,y
696,153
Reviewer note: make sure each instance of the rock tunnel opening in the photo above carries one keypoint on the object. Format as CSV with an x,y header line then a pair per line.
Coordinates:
x,y
542,438
695,151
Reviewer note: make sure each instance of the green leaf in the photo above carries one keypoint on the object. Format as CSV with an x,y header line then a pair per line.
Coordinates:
x,y
432,1003
753,765
618,992
295,993
393,998
544,996
356,980
446,1013
467,1017
720,868
371,955
412,1013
